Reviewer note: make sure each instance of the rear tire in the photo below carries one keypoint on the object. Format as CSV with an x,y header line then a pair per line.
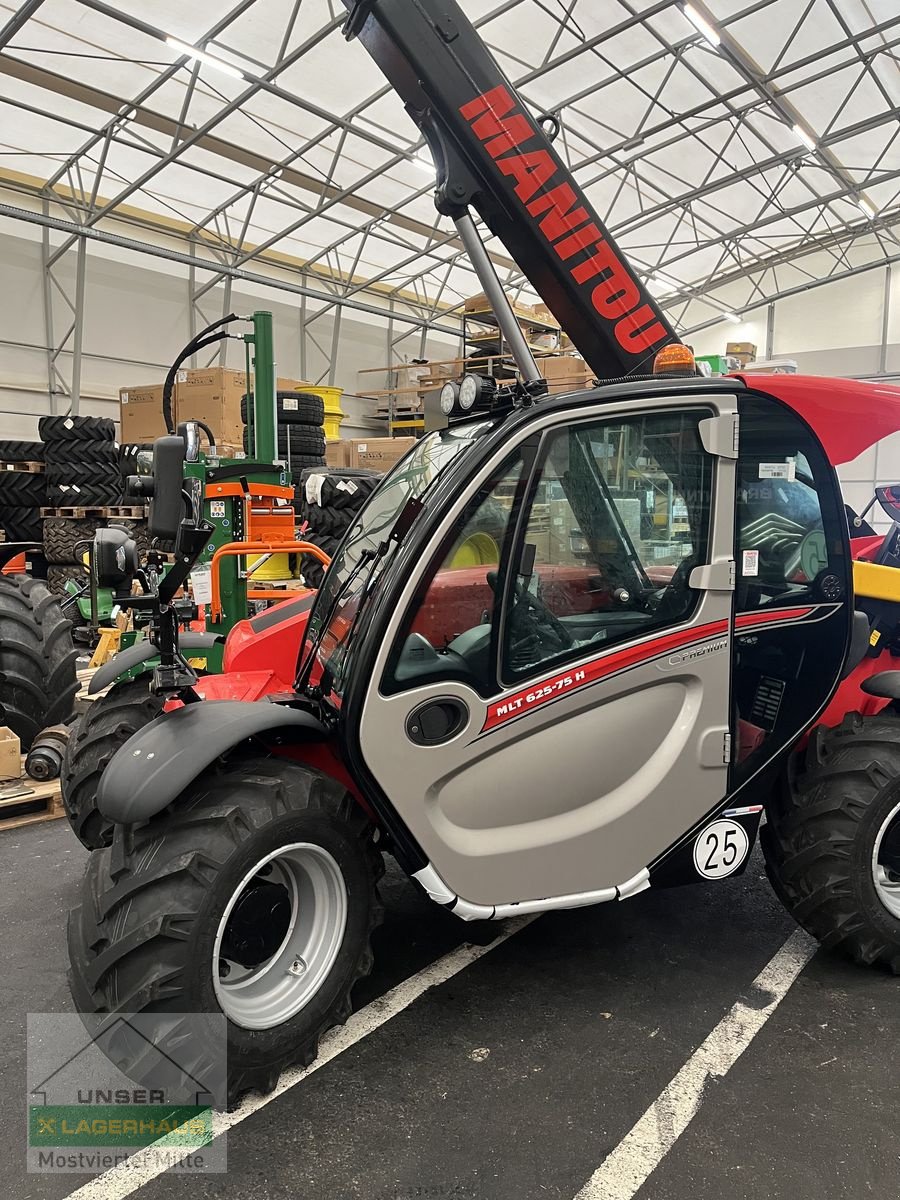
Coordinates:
x,y
108,723
37,659
821,840
144,938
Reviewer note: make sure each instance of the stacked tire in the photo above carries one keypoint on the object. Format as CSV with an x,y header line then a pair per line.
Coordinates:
x,y
65,542
300,419
82,461
37,658
326,502
22,494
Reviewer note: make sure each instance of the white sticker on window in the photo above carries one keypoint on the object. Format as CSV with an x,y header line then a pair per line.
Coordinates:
x,y
217,508
783,470
289,404
750,562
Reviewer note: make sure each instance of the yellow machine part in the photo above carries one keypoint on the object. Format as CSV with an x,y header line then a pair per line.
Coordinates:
x,y
333,412
478,550
278,567
875,581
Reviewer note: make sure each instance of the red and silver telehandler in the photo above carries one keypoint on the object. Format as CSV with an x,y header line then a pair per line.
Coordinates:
x,y
572,648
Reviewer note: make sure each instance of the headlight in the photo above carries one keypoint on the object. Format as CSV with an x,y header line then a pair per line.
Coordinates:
x,y
448,398
468,392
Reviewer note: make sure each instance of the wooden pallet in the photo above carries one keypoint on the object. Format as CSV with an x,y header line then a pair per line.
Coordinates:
x,y
22,468
26,802
406,410
80,511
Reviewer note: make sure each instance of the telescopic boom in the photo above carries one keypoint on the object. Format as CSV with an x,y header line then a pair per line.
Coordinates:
x,y
492,155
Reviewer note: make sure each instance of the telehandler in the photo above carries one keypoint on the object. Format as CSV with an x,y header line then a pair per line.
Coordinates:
x,y
607,708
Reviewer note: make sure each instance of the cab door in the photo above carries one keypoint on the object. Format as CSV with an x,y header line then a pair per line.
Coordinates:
x,y
553,693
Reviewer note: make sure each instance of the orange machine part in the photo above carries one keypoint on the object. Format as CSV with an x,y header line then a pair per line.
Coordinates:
x,y
282,546
16,566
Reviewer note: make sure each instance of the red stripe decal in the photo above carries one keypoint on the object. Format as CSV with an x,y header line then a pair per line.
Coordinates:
x,y
764,617
598,668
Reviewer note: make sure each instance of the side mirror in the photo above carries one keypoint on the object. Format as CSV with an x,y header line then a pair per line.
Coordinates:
x,y
115,557
889,499
164,488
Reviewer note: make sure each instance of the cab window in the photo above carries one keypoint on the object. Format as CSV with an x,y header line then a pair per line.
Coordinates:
x,y
617,518
586,538
785,552
450,631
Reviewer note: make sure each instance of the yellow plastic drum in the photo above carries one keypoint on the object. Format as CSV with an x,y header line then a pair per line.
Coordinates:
x,y
277,567
478,550
333,412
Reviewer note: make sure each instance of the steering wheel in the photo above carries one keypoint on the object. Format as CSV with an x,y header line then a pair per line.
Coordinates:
x,y
530,619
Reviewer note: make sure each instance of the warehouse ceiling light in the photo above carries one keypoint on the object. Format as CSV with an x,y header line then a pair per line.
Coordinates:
x,y
806,138
732,317
702,26
869,209
201,56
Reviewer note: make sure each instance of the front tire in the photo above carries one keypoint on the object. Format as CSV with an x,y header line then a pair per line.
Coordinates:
x,y
179,904
832,839
98,734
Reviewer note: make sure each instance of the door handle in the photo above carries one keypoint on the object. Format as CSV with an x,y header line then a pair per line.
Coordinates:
x,y
436,721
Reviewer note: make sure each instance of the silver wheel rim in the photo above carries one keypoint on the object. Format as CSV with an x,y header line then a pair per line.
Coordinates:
x,y
887,880
272,991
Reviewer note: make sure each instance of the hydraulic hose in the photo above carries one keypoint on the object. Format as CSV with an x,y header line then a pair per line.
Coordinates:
x,y
197,342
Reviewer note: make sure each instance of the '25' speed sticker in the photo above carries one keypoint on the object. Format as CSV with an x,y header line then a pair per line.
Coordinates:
x,y
720,849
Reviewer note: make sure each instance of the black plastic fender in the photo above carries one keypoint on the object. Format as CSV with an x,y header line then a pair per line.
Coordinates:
x,y
157,764
140,652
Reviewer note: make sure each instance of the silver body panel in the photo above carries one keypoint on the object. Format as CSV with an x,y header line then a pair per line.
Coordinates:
x,y
580,793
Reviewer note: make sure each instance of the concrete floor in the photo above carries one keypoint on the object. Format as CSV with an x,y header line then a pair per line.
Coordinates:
x,y
518,1076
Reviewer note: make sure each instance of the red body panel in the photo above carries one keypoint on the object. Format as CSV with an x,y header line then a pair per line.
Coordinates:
x,y
848,415
270,642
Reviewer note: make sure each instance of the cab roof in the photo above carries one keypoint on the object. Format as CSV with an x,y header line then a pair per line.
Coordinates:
x,y
848,415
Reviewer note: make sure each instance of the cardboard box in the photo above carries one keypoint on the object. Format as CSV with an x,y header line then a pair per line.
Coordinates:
x,y
378,454
542,313
10,754
210,394
213,396
745,351
337,454
562,365
141,415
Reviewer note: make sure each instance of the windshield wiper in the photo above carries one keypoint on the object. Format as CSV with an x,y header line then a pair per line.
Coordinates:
x,y
306,666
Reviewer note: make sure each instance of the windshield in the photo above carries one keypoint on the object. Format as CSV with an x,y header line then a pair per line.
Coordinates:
x,y
348,581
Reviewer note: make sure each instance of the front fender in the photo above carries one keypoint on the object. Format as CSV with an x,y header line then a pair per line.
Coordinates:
x,y
155,766
141,652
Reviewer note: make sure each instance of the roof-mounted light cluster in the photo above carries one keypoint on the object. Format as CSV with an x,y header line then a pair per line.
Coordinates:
x,y
473,391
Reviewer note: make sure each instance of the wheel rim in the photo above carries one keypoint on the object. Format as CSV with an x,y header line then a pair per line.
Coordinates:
x,y
279,936
886,863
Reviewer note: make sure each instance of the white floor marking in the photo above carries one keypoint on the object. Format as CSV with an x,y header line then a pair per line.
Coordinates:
x,y
645,1146
144,1165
